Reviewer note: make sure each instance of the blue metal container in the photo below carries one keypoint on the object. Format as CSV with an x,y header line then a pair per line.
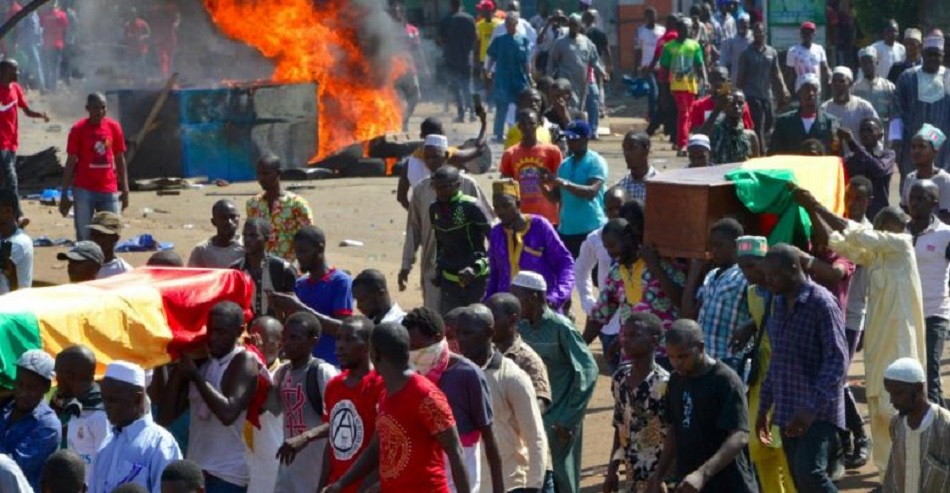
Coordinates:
x,y
220,132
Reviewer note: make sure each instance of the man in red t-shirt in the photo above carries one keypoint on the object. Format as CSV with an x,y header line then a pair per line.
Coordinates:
x,y
527,162
703,108
95,167
350,400
414,426
55,23
12,98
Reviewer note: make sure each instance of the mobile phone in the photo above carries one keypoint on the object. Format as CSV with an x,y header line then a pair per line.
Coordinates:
x,y
476,100
725,89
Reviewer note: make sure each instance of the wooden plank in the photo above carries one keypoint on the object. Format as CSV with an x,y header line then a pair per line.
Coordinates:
x,y
150,121
25,11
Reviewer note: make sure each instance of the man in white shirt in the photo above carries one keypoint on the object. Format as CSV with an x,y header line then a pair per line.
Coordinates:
x,y
104,230
889,51
849,109
932,249
12,478
16,248
644,48
920,432
218,394
594,255
78,402
875,89
807,58
371,294
518,427
138,449
266,440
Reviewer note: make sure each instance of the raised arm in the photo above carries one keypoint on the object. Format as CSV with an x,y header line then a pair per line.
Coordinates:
x,y
403,188
462,156
237,386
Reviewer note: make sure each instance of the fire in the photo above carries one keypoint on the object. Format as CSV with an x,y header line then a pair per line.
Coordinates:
x,y
309,42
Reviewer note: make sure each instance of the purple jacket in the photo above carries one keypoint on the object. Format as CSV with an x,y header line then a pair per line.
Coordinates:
x,y
543,252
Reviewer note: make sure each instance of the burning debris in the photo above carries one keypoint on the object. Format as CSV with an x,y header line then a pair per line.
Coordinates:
x,y
345,46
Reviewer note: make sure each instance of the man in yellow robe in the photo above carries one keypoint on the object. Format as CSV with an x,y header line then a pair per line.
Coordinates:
x,y
894,327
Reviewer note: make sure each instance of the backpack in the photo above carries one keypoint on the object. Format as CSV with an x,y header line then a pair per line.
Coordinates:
x,y
313,386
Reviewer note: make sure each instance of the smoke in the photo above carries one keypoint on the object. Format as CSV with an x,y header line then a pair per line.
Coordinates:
x,y
203,56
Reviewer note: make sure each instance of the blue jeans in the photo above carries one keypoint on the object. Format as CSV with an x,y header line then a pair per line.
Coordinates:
x,y
808,457
936,338
612,362
214,484
34,63
8,162
86,203
653,97
592,106
52,59
460,85
501,114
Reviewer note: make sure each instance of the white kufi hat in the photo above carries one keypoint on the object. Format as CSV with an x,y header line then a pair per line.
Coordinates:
x,y
907,370
124,371
437,141
530,280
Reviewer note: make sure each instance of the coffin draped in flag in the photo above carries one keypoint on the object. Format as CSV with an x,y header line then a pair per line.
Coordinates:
x,y
146,316
762,185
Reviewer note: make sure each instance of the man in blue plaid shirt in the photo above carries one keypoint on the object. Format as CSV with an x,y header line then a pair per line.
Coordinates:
x,y
721,301
804,387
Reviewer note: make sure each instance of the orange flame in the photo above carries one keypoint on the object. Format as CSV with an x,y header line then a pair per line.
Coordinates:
x,y
311,44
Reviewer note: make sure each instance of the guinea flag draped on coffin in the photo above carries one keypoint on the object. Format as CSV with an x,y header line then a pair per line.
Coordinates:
x,y
146,316
682,204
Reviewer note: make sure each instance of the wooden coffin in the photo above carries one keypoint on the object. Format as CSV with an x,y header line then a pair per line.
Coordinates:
x,y
682,204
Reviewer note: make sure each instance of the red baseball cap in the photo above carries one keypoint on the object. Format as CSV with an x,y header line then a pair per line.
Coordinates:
x,y
485,5
808,25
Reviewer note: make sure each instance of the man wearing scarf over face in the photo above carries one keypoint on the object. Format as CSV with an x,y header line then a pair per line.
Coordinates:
x,y
466,389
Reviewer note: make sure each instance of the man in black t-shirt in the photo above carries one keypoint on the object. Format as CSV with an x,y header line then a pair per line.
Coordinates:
x,y
708,417
269,273
457,36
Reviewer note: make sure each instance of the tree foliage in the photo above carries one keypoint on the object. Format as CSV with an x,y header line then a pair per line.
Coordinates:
x,y
872,15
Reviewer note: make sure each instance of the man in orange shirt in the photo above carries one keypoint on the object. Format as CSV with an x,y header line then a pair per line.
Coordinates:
x,y
527,162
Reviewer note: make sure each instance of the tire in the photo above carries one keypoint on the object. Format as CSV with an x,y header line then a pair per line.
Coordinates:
x,y
365,168
344,158
304,174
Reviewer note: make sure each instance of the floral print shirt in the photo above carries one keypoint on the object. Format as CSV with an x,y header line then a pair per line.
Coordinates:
x,y
289,213
613,296
638,419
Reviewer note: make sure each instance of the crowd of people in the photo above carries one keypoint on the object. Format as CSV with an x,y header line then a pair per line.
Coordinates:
x,y
728,374
48,45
